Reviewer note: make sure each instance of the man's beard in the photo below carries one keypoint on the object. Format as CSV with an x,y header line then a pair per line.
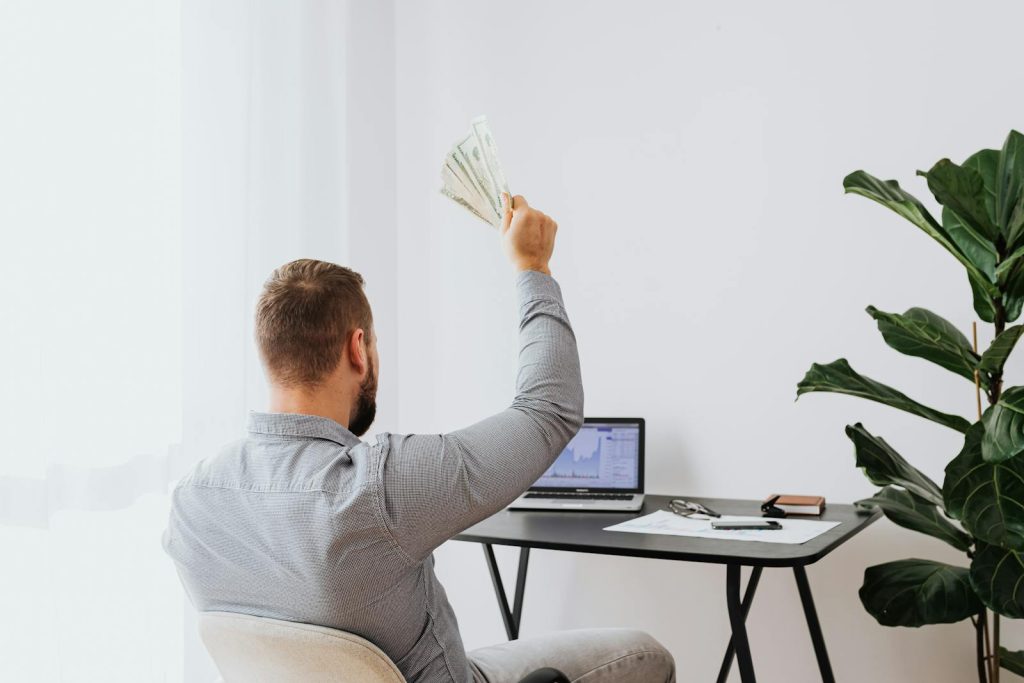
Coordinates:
x,y
365,409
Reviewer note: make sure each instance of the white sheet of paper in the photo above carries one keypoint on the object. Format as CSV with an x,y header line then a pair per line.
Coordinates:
x,y
793,531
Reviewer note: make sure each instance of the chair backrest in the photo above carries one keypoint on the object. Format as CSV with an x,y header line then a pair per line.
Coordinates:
x,y
247,648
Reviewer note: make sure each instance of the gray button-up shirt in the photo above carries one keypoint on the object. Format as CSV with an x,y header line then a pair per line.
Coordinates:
x,y
303,521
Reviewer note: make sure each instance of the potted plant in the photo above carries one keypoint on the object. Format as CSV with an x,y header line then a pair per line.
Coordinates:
x,y
979,509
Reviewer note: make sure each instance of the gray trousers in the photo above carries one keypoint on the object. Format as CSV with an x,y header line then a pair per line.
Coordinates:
x,y
602,655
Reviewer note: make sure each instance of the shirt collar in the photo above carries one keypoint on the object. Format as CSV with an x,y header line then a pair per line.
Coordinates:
x,y
294,424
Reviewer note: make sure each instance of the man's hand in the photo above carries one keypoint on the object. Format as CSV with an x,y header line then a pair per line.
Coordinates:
x,y
527,234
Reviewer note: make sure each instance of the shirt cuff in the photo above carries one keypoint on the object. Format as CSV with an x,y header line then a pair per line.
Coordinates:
x,y
532,285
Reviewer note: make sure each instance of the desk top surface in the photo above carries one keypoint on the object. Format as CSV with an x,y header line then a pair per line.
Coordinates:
x,y
583,532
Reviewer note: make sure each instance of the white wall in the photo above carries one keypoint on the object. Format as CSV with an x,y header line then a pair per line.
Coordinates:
x,y
693,154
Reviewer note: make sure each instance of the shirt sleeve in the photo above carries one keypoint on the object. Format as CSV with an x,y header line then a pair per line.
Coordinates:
x,y
434,486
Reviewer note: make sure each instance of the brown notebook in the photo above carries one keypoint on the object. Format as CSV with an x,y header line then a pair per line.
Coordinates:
x,y
800,505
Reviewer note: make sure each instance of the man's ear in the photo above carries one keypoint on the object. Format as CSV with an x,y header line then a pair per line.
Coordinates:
x,y
357,352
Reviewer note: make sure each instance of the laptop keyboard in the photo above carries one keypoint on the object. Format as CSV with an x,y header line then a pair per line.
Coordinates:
x,y
582,496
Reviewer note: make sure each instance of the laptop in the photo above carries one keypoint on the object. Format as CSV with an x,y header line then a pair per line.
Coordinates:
x,y
602,469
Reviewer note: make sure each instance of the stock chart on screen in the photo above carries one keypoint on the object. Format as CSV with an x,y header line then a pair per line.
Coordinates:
x,y
600,456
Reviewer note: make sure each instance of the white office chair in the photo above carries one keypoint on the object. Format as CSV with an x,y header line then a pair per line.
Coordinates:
x,y
250,649
260,650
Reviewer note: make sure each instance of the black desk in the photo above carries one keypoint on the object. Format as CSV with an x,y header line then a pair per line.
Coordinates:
x,y
583,532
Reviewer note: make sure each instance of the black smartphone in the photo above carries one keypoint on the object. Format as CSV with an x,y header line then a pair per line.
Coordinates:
x,y
765,524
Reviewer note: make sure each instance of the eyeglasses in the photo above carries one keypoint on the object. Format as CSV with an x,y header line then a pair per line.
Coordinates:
x,y
685,508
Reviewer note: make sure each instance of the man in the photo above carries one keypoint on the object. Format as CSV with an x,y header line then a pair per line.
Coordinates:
x,y
303,521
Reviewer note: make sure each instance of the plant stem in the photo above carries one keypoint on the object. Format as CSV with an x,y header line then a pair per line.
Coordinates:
x,y
988,645
995,387
995,647
985,658
977,372
979,642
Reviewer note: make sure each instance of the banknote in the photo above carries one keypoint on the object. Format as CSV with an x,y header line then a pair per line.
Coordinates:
x,y
485,139
474,156
469,207
472,175
458,189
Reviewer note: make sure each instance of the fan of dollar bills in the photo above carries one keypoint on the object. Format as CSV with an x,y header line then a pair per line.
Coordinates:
x,y
471,175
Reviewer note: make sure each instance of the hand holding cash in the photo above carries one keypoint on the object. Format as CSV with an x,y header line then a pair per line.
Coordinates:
x,y
528,234
472,177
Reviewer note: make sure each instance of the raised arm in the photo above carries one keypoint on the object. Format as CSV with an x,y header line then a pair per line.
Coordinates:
x,y
434,486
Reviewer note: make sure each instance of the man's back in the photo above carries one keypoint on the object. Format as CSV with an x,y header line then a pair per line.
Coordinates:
x,y
288,524
302,521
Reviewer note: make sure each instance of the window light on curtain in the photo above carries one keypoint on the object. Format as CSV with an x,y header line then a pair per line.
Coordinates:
x,y
90,339
157,161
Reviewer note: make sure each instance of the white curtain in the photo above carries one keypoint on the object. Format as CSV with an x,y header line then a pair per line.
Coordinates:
x,y
90,396
157,160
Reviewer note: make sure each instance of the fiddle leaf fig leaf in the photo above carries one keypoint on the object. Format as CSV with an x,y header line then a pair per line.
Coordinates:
x,y
985,496
999,350
1009,183
1008,265
1012,661
917,514
1010,277
962,190
997,575
838,377
918,592
1016,225
978,249
1013,302
883,466
986,163
984,306
921,333
1004,427
888,193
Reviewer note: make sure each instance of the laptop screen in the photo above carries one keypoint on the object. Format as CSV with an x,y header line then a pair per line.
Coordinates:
x,y
605,454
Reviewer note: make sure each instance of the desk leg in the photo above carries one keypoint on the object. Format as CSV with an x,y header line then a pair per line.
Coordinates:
x,y
748,597
812,625
510,617
517,604
737,619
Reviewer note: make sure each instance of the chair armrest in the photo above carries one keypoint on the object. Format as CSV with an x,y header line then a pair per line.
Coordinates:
x,y
546,675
